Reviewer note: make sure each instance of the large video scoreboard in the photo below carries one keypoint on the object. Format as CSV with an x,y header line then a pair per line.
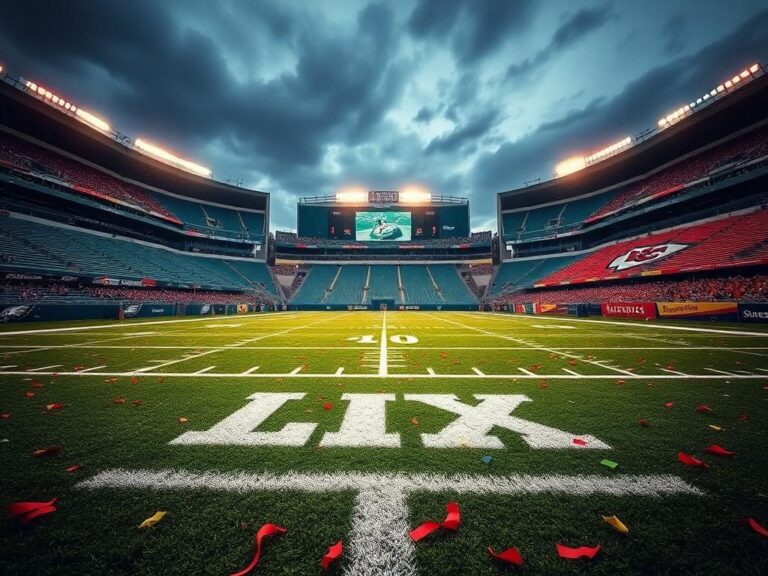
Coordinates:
x,y
383,219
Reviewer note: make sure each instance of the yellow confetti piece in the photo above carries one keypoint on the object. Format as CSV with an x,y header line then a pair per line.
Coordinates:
x,y
715,428
616,524
152,520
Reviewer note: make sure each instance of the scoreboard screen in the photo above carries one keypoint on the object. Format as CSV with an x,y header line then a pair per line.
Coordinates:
x,y
383,197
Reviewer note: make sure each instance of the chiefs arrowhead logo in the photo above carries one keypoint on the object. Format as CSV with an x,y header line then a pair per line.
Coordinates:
x,y
645,255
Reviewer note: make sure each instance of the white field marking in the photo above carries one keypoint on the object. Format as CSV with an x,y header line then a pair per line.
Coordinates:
x,y
431,372
673,372
527,372
250,370
604,364
158,361
742,372
339,371
214,350
378,542
237,428
556,326
762,370
223,325
471,429
8,366
478,371
383,368
538,347
296,370
631,324
123,325
571,372
93,368
43,368
466,376
204,370
364,423
719,371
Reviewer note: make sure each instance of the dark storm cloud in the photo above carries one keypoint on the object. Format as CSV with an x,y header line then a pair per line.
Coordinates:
x,y
636,107
476,28
468,132
575,28
674,35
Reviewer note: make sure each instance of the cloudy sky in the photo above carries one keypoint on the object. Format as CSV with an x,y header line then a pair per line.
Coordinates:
x,y
299,98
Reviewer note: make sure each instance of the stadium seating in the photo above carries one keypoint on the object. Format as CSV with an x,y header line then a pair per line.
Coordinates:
x,y
515,274
313,288
743,148
418,286
40,247
450,285
738,288
383,284
717,242
34,158
348,287
549,218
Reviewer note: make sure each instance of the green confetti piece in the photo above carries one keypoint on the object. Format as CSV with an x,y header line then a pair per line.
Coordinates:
x,y
610,463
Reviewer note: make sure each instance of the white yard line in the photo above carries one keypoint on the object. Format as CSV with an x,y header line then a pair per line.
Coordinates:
x,y
719,371
542,348
126,326
378,542
94,368
204,370
214,350
383,368
43,368
571,372
673,372
648,325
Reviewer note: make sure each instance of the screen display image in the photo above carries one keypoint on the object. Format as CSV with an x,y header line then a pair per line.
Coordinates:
x,y
382,226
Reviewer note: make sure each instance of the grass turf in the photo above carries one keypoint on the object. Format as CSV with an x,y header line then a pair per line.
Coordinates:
x,y
210,532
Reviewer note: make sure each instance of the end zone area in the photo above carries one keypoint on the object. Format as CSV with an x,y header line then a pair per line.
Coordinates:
x,y
358,426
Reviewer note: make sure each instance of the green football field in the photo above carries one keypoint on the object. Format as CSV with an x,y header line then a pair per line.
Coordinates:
x,y
359,426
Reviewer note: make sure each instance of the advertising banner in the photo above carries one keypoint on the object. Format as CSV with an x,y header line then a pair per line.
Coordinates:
x,y
753,312
698,310
642,310
557,309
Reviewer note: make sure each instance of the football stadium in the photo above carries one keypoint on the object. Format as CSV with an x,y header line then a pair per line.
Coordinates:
x,y
380,387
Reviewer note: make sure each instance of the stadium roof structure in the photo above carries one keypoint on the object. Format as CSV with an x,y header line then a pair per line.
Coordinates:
x,y
24,114
432,200
741,109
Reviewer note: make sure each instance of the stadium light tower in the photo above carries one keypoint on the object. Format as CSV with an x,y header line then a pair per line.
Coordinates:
x,y
415,195
570,166
352,194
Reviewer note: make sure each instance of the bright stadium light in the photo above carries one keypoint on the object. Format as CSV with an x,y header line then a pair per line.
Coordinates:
x,y
570,166
754,68
161,154
92,120
608,151
352,195
414,195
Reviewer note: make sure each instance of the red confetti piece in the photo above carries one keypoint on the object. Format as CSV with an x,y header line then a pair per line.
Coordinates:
x,y
743,417
620,382
29,394
137,402
333,554
73,468
510,556
757,527
644,422
415,421
56,406
543,385
703,409
49,451
265,531
452,521
579,442
718,450
28,511
669,404
327,406
691,461
576,553
36,384
5,416
118,400
77,368
134,380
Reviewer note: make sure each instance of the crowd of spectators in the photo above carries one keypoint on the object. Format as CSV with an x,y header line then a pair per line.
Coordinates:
x,y
56,291
482,269
284,270
730,288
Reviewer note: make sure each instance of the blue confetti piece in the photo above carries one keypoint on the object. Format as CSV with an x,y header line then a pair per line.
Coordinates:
x,y
486,459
